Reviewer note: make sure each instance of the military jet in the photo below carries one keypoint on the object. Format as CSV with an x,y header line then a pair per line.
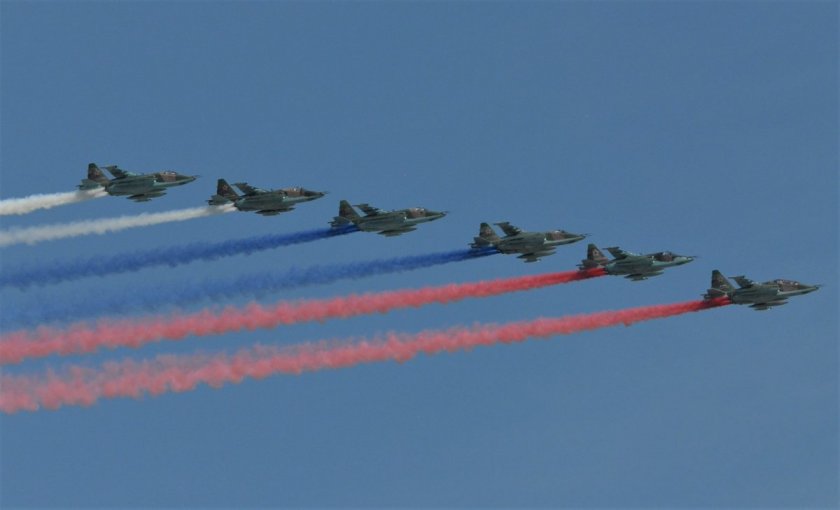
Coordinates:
x,y
265,202
530,245
631,265
138,187
386,223
760,296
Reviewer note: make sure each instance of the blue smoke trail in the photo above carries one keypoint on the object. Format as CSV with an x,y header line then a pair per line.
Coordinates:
x,y
174,256
254,285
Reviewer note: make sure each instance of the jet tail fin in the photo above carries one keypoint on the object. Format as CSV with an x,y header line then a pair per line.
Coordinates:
x,y
594,258
95,178
224,194
720,286
346,215
486,237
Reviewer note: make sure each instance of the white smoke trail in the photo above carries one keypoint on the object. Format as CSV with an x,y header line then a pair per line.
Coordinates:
x,y
31,203
33,235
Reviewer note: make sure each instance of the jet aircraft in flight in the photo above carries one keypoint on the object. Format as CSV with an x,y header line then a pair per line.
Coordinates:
x,y
138,187
760,296
386,223
265,202
530,245
631,265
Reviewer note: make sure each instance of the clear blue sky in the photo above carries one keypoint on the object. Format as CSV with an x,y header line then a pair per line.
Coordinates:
x,y
707,128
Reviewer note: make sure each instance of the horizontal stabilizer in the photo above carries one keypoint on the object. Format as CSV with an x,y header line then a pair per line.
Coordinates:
x,y
340,221
218,200
714,294
89,184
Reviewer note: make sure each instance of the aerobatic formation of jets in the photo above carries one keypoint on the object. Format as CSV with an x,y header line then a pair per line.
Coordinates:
x,y
529,246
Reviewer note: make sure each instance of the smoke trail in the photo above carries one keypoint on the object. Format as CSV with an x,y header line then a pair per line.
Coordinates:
x,y
33,235
173,256
161,295
79,385
82,337
31,203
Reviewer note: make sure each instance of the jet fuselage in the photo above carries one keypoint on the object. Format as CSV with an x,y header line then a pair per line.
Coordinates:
x,y
769,292
402,219
536,243
645,265
275,200
147,184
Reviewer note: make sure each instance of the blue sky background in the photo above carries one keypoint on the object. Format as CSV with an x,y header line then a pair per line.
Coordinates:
x,y
707,128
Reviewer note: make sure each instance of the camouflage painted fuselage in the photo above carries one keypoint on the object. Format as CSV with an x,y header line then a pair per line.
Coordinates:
x,y
386,223
267,202
773,293
273,202
529,245
640,267
536,243
147,184
759,296
138,187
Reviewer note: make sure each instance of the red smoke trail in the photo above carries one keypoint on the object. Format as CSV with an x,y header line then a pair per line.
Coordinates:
x,y
81,337
84,386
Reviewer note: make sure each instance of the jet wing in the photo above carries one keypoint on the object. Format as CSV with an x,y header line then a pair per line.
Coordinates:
x,y
119,173
768,305
369,210
535,255
743,282
145,197
396,231
636,277
247,189
509,229
618,253
274,212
